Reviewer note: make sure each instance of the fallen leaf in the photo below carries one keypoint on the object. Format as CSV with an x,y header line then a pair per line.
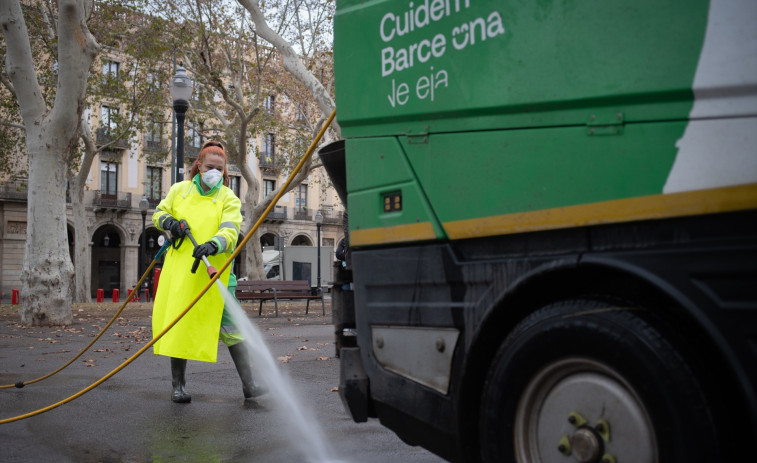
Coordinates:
x,y
335,389
284,359
322,358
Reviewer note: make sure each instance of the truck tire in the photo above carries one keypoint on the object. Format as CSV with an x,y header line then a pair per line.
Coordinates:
x,y
589,382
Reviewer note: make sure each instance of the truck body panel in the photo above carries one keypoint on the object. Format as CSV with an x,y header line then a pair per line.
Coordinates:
x,y
504,157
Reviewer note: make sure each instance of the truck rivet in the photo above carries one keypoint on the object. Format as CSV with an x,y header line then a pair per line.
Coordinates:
x,y
379,342
440,345
593,117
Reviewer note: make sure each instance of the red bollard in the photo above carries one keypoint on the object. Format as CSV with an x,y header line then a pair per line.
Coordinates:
x,y
100,295
155,280
133,295
14,297
147,294
116,295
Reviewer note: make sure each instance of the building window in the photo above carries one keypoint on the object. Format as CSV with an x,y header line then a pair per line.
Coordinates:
x,y
193,138
268,103
268,187
110,68
269,148
153,187
301,197
152,80
328,242
109,119
153,135
234,184
109,179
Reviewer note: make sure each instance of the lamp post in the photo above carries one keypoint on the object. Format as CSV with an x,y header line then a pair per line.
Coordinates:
x,y
318,223
181,92
143,206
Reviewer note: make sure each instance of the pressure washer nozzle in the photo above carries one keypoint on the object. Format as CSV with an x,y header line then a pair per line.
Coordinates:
x,y
212,271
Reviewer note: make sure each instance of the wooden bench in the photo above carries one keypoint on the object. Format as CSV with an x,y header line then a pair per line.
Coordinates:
x,y
266,290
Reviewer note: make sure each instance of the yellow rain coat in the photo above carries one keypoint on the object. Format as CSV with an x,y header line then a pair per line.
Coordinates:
x,y
214,215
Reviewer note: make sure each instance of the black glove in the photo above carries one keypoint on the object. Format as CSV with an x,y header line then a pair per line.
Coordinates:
x,y
178,228
205,249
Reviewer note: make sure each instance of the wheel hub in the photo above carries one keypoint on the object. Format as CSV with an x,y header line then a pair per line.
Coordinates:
x,y
581,409
586,445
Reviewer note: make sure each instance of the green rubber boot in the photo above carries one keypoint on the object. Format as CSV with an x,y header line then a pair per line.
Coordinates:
x,y
242,362
178,381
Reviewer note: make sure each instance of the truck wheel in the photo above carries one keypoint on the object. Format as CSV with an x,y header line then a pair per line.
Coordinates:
x,y
582,381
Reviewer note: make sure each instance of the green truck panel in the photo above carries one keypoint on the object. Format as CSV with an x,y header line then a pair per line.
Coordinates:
x,y
511,171
534,63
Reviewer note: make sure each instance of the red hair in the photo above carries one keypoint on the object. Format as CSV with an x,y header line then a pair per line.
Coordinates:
x,y
211,147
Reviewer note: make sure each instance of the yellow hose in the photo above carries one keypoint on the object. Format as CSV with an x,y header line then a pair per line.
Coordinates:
x,y
21,384
197,298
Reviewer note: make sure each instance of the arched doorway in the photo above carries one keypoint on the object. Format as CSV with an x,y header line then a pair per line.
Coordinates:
x,y
151,248
106,260
302,240
268,239
70,235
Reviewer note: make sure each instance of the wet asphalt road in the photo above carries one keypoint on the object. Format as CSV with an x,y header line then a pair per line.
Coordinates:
x,y
130,417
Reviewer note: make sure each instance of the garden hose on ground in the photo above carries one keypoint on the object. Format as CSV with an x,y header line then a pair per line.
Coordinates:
x,y
21,384
210,283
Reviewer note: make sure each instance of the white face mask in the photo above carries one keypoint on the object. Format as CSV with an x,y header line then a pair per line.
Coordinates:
x,y
212,177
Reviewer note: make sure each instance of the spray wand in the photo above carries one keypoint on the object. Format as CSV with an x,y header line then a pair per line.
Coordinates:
x,y
211,270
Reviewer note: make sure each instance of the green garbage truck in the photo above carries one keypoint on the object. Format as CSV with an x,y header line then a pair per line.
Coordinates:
x,y
552,226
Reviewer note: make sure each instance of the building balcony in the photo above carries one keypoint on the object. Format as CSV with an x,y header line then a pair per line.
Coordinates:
x,y
331,216
153,202
155,146
267,161
191,152
303,214
103,200
278,214
14,191
103,137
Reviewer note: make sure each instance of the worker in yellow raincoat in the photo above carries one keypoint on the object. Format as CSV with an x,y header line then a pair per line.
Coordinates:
x,y
212,212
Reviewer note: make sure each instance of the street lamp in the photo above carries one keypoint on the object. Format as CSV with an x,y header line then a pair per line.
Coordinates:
x,y
181,92
318,223
143,206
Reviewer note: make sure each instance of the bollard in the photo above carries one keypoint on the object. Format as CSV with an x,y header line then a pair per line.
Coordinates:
x,y
155,280
14,297
133,295
116,295
147,294
100,295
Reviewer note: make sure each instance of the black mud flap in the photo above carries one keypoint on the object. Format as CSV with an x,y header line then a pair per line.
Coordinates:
x,y
353,385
